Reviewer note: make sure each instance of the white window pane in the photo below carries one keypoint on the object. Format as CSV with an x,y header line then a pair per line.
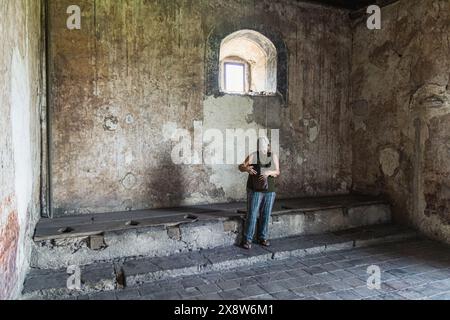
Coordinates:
x,y
234,77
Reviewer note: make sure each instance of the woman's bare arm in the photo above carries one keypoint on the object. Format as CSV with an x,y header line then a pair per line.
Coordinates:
x,y
246,167
276,172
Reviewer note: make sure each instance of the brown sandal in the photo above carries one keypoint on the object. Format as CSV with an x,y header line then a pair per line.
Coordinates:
x,y
264,243
247,245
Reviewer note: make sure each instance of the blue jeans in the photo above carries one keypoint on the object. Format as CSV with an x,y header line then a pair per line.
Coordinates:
x,y
259,204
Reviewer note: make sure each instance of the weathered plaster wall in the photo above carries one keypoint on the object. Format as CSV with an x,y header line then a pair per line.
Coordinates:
x,y
400,101
136,70
20,36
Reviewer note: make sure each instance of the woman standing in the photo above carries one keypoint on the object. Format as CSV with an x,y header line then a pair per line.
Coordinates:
x,y
263,167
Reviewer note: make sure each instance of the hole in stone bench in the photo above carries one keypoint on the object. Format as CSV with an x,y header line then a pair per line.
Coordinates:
x,y
132,223
191,217
287,208
121,279
65,230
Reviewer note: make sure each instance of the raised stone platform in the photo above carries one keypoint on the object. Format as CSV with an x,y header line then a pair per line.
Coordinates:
x,y
83,240
131,272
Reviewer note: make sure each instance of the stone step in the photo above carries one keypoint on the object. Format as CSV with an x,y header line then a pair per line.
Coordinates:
x,y
105,276
163,233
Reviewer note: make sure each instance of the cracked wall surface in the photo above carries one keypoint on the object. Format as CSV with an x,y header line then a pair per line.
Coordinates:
x,y
400,102
137,70
20,81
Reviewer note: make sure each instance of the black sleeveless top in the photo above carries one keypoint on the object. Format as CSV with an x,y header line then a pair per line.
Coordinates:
x,y
258,166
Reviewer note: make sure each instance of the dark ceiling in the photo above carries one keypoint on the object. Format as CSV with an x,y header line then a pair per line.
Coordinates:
x,y
347,4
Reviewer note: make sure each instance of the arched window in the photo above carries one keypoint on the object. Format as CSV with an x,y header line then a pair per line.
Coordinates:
x,y
248,64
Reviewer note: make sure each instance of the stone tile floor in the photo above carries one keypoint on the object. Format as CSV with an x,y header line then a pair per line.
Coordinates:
x,y
415,269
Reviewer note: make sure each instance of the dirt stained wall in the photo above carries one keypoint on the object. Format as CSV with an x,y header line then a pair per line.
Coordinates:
x,y
401,107
20,92
138,67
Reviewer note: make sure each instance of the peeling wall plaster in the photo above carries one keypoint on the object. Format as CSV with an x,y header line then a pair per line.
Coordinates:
x,y
400,98
389,160
224,113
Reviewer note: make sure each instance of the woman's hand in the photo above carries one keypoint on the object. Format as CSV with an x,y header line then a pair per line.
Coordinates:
x,y
270,173
251,171
247,167
266,174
